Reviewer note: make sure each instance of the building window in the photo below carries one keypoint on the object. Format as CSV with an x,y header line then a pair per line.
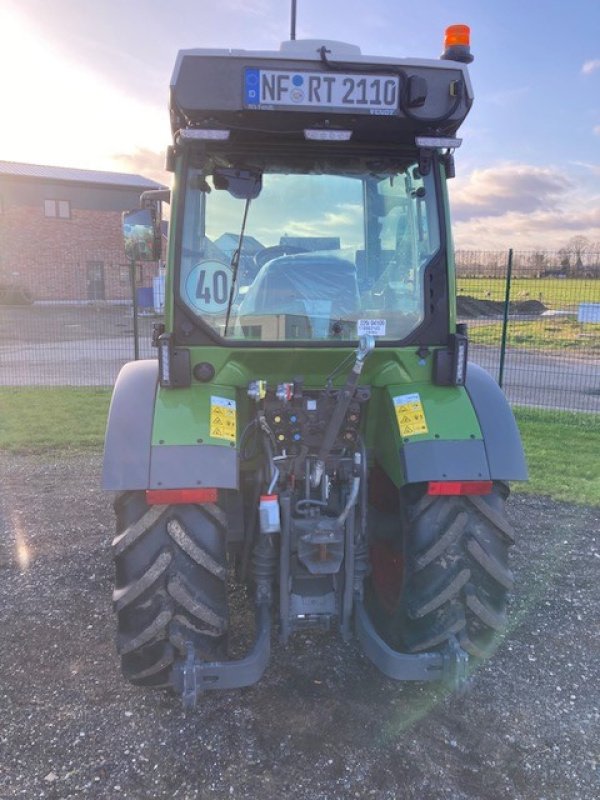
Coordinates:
x,y
57,208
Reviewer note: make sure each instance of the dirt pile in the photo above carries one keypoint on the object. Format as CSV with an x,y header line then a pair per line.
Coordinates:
x,y
473,307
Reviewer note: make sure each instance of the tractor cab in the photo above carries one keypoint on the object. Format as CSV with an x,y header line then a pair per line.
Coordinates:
x,y
311,204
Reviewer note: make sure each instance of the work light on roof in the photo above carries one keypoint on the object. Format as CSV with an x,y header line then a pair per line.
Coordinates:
x,y
320,135
213,134
438,142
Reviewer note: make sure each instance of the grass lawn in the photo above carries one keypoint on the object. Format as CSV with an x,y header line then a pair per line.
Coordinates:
x,y
37,420
555,293
563,454
545,333
562,449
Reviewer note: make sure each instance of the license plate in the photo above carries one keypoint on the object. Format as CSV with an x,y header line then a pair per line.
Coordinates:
x,y
271,89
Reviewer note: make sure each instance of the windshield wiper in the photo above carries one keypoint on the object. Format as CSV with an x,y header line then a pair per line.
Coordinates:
x,y
235,264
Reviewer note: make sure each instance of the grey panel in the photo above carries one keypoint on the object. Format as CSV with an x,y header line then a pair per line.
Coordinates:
x,y
437,461
129,430
500,433
191,466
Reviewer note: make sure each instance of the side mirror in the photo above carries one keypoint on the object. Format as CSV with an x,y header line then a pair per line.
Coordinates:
x,y
141,231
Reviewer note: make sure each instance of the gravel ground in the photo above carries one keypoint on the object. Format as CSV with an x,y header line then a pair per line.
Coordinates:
x,y
323,723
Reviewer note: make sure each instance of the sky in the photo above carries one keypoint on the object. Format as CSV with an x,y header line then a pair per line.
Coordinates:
x,y
85,84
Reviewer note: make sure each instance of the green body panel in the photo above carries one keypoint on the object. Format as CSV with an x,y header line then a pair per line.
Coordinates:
x,y
237,366
182,416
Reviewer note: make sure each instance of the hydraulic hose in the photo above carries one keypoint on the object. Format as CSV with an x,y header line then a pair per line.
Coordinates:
x,y
366,345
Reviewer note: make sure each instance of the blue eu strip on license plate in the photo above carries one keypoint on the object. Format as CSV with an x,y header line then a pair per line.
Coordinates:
x,y
270,89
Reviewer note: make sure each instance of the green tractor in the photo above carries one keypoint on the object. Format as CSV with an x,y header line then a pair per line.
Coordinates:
x,y
311,427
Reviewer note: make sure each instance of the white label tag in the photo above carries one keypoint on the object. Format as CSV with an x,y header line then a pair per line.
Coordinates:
x,y
370,327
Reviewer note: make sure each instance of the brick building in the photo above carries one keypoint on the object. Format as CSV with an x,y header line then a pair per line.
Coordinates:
x,y
60,232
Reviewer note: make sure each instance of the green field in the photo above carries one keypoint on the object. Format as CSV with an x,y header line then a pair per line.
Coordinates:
x,y
545,333
563,454
40,420
562,449
554,293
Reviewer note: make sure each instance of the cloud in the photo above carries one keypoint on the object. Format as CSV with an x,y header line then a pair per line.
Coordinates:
x,y
149,163
505,188
590,66
593,168
597,130
523,206
548,229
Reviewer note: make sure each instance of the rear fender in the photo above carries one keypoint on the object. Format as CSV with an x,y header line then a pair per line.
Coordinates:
x,y
497,455
129,429
162,439
503,447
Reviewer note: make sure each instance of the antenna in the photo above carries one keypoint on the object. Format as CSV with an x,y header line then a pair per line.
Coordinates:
x,y
293,22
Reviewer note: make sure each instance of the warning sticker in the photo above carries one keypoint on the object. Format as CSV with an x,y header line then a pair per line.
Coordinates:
x,y
222,418
410,414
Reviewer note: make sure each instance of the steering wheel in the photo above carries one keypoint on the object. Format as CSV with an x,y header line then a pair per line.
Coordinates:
x,y
269,253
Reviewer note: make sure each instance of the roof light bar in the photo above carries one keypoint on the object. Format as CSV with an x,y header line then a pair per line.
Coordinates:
x,y
204,133
319,135
433,142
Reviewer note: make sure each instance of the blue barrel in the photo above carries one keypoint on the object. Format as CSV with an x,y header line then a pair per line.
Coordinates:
x,y
145,297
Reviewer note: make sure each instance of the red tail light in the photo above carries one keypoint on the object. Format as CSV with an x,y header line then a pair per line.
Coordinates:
x,y
171,497
459,487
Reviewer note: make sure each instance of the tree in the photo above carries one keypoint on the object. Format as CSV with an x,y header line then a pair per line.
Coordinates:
x,y
578,245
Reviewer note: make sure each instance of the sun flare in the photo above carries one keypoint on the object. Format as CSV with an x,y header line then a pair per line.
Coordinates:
x,y
58,111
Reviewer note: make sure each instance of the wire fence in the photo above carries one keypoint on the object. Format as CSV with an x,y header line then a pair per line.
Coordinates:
x,y
78,334
534,323
533,320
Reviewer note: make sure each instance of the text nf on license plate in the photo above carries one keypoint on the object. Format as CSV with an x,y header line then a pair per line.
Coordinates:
x,y
371,93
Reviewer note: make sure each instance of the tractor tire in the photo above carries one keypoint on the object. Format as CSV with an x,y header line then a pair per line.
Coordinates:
x,y
170,586
455,578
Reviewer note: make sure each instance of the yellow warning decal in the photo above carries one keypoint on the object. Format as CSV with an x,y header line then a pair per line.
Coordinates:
x,y
222,418
410,414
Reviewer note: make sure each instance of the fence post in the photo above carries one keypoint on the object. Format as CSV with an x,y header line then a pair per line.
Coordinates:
x,y
505,318
136,338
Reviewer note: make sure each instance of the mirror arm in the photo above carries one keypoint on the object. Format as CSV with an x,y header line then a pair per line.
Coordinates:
x,y
153,195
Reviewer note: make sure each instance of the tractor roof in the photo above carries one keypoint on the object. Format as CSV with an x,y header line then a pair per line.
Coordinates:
x,y
325,87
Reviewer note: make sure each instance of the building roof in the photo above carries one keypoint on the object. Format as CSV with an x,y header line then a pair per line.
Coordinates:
x,y
89,176
228,242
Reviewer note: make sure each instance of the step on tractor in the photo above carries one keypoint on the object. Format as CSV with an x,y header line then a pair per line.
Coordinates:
x,y
311,428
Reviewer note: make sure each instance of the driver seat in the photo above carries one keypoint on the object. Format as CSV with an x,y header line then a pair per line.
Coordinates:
x,y
317,286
